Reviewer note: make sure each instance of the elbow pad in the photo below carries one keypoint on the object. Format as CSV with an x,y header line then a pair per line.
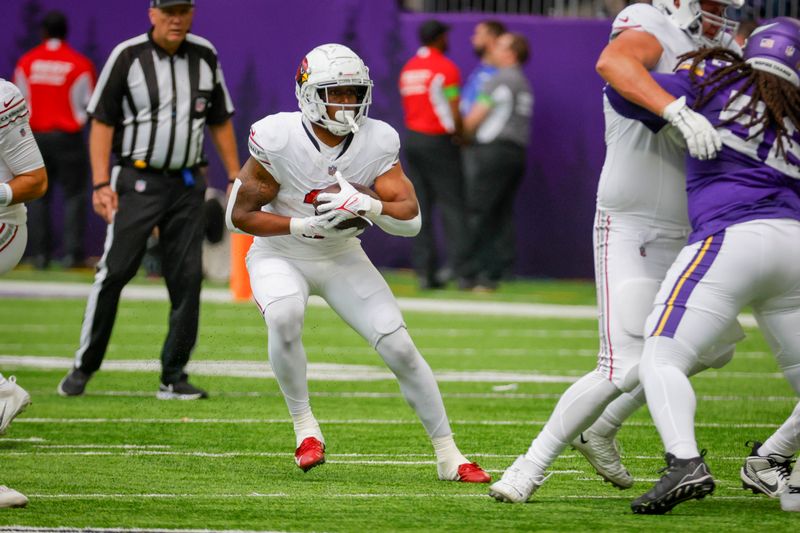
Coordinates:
x,y
402,228
229,209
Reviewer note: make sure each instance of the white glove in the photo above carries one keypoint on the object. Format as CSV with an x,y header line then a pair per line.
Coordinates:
x,y
318,227
702,140
348,203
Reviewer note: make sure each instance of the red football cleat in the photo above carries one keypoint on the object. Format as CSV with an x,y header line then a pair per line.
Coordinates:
x,y
472,473
310,453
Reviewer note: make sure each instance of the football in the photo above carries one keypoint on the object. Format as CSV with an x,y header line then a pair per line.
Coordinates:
x,y
356,222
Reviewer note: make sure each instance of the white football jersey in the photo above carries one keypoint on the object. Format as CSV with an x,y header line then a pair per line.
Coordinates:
x,y
19,152
287,148
643,174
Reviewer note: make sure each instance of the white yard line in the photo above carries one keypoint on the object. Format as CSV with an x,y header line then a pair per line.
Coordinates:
x,y
328,371
356,421
28,289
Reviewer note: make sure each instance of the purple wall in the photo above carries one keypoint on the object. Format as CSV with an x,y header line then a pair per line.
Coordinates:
x,y
260,43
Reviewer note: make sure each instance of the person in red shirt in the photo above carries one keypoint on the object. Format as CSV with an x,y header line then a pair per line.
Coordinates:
x,y
429,88
57,82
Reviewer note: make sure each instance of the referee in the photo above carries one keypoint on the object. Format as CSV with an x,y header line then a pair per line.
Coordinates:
x,y
153,99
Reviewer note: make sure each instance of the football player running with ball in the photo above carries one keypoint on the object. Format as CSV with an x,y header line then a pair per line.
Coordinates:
x,y
297,252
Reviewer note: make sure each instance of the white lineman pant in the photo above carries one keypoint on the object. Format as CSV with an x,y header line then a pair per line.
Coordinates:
x,y
13,239
631,260
752,263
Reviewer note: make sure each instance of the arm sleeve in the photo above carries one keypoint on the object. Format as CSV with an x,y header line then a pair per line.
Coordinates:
x,y
18,149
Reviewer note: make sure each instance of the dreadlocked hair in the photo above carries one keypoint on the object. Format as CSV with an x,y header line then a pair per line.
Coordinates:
x,y
781,100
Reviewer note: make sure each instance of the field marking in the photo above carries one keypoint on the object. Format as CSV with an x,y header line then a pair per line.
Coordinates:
x,y
51,290
357,421
420,331
258,495
335,458
330,371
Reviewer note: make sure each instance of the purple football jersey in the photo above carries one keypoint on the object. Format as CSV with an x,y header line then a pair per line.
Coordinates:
x,y
747,180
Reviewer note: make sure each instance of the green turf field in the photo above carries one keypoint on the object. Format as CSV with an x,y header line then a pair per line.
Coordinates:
x,y
118,457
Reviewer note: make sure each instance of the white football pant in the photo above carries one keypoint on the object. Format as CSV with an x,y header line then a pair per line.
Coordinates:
x,y
753,263
357,292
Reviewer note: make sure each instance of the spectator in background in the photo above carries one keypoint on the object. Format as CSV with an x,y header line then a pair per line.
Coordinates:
x,y
500,124
429,87
484,41
154,182
57,82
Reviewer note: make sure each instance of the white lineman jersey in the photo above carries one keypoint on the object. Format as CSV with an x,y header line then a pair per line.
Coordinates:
x,y
753,263
284,144
18,150
643,174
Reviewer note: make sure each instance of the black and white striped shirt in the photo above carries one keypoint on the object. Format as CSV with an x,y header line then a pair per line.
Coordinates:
x,y
159,104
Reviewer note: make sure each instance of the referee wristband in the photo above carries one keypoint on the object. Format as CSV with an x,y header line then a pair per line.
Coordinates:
x,y
6,195
100,185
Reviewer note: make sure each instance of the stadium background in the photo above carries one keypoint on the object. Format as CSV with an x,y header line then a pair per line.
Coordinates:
x,y
260,44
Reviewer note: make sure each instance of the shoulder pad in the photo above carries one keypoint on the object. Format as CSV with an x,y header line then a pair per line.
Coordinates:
x,y
385,136
12,103
642,17
268,136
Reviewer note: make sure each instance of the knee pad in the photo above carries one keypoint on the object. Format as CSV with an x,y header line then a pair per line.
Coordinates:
x,y
630,380
386,319
284,319
666,351
634,301
721,352
397,348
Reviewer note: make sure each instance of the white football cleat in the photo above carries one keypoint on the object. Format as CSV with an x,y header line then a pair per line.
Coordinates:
x,y
766,475
13,400
603,454
11,498
519,482
790,498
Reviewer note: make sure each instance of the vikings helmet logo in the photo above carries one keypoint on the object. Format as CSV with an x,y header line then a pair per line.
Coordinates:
x,y
302,72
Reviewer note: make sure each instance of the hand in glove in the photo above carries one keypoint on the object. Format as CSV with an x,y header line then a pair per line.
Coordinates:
x,y
702,140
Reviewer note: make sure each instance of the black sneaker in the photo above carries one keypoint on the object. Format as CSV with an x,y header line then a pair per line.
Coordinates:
x,y
685,479
180,390
74,383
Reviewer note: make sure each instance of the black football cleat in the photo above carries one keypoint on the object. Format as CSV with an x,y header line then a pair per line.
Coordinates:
x,y
685,479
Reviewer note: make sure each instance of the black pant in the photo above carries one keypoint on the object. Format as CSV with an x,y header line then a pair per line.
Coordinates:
x,y
65,158
499,167
146,201
434,167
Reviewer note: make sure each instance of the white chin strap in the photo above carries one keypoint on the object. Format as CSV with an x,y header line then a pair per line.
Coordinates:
x,y
347,117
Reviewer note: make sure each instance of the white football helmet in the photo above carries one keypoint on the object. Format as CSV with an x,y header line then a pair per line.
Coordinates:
x,y
333,65
689,16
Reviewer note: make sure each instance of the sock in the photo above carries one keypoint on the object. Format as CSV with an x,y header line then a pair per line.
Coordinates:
x,y
617,412
448,457
578,407
786,439
447,451
306,425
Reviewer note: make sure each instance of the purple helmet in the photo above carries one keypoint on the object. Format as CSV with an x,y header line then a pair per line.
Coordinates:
x,y
775,48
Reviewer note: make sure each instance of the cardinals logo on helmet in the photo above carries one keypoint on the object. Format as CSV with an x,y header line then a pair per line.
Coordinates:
x,y
302,72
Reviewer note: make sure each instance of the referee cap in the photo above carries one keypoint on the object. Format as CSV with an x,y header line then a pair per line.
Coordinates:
x,y
167,3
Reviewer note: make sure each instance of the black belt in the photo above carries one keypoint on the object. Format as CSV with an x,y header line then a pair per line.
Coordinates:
x,y
144,167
